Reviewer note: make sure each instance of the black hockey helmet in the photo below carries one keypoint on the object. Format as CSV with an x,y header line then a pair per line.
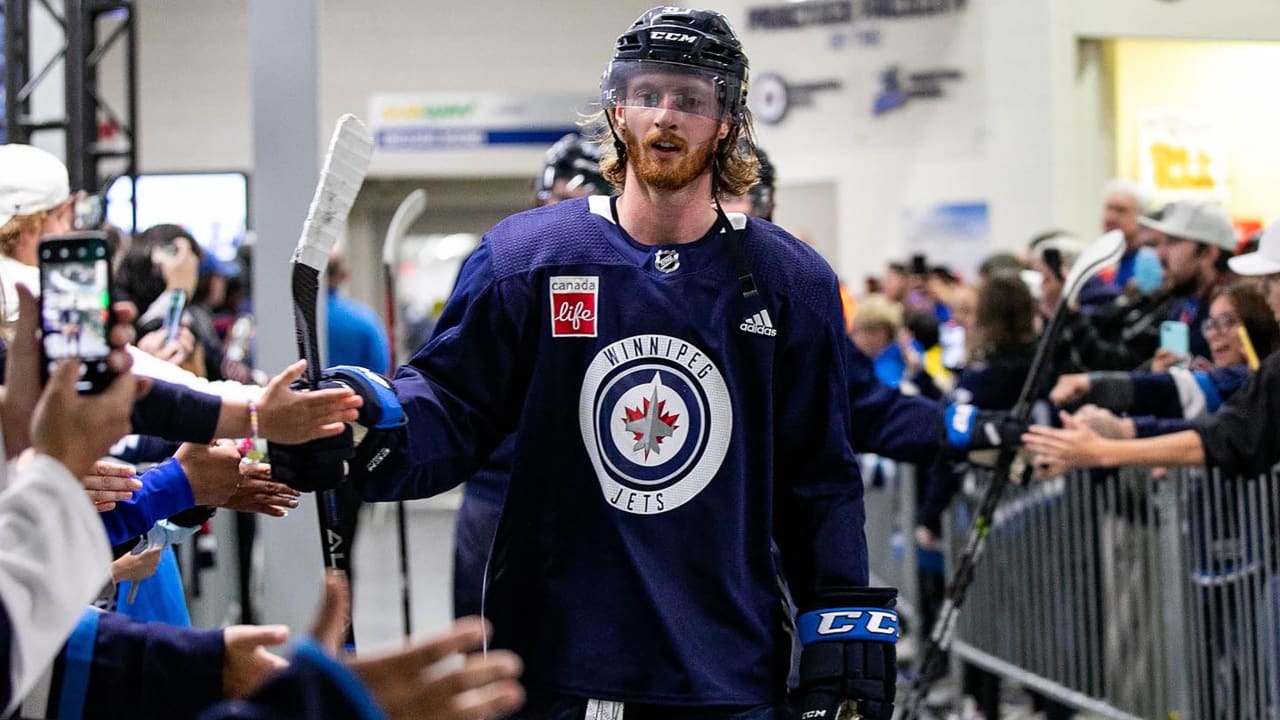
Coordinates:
x,y
576,160
698,43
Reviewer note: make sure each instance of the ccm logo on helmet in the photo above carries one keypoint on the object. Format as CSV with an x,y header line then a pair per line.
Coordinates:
x,y
673,37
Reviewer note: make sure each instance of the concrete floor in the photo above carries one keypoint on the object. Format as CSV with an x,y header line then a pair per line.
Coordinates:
x,y
378,614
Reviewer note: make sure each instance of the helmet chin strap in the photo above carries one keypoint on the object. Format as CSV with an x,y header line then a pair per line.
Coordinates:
x,y
618,145
746,281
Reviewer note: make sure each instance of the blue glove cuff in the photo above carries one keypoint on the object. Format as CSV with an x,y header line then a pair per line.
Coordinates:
x,y
959,420
848,623
381,409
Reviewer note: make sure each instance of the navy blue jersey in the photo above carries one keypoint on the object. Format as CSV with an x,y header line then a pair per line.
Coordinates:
x,y
667,427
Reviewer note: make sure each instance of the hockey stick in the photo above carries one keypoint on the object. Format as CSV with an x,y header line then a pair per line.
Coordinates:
x,y
1102,253
345,166
409,211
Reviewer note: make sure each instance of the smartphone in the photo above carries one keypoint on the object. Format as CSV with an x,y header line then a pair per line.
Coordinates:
x,y
90,211
173,315
954,350
75,306
1175,338
919,265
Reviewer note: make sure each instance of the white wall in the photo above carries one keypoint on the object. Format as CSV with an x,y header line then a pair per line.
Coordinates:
x,y
1083,141
194,66
1228,79
193,85
985,141
1030,129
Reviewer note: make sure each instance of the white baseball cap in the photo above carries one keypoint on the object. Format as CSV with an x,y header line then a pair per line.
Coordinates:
x,y
31,180
1202,221
1263,261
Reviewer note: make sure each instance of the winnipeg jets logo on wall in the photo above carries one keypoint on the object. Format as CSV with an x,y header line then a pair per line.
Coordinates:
x,y
656,419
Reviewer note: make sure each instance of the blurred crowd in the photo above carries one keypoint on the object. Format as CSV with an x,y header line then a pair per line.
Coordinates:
x,y
1176,340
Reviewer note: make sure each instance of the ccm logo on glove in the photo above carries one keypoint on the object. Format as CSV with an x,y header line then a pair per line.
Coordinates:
x,y
849,624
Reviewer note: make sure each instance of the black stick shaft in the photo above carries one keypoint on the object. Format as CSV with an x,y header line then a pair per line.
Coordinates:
x,y
944,628
402,522
337,554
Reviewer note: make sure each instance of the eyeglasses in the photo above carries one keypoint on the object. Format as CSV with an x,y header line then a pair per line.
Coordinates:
x,y
1222,323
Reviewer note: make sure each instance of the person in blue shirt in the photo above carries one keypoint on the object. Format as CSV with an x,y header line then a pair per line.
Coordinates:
x,y
356,335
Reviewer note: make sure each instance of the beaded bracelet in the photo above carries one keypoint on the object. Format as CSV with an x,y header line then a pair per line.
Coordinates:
x,y
251,447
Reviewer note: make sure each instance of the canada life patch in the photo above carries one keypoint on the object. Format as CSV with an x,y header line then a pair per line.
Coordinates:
x,y
573,305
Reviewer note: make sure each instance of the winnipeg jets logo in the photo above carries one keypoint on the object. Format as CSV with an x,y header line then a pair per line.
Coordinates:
x,y
656,419
650,424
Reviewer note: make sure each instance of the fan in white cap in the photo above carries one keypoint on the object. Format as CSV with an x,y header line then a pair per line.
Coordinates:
x,y
1265,260
31,180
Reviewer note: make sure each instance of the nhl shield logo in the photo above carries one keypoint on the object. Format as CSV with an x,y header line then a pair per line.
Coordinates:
x,y
667,261
656,419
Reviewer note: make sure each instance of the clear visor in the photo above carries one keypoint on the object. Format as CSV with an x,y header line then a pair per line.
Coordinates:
x,y
649,85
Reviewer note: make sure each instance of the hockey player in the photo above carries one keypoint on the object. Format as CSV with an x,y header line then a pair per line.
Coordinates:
x,y
570,169
758,201
675,382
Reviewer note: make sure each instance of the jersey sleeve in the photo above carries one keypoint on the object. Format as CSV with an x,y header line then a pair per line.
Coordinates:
x,y
54,559
114,667
1244,436
821,516
884,421
461,391
314,686
165,491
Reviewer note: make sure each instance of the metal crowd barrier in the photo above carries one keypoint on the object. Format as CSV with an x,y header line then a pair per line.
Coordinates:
x,y
1117,592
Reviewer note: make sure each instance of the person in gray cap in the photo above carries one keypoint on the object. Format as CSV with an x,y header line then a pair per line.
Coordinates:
x,y
1196,239
35,201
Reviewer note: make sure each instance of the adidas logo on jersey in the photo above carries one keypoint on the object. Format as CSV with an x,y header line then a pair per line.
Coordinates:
x,y
759,324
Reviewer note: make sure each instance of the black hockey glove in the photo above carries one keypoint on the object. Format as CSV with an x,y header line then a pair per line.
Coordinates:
x,y
966,427
376,440
849,654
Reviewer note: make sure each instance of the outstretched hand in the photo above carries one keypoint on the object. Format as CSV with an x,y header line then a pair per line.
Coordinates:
x,y
247,663
1058,450
110,483
1070,388
293,417
414,682
258,494
78,429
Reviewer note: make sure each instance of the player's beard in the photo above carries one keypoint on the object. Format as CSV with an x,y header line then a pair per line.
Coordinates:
x,y
667,175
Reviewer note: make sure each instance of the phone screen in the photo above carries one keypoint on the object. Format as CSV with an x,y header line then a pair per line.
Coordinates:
x,y
954,352
75,306
1174,337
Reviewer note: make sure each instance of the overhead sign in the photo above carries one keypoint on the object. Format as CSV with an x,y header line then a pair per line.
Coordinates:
x,y
1182,150
772,97
894,93
423,122
831,12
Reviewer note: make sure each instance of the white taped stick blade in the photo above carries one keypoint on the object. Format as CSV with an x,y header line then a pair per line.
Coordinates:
x,y
410,209
345,165
1101,253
